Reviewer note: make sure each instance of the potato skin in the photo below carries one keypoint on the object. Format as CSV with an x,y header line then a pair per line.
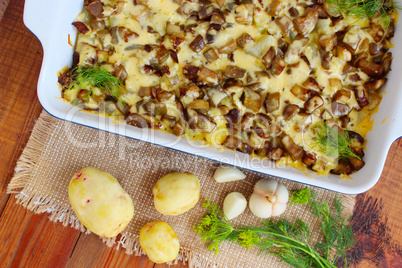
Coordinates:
x,y
159,241
99,201
176,193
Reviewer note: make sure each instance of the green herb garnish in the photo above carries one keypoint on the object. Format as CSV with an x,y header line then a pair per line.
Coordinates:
x,y
88,77
332,143
361,9
288,241
300,196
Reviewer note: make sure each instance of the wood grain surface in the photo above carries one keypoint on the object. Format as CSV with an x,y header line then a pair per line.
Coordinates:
x,y
29,240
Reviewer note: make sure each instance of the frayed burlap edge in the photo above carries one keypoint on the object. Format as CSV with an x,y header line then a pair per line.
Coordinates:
x,y
40,135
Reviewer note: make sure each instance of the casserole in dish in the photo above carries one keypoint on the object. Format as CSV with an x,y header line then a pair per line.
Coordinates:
x,y
54,47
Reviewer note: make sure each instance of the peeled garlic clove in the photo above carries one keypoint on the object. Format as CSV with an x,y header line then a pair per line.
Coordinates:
x,y
282,194
265,187
228,173
278,209
234,205
260,206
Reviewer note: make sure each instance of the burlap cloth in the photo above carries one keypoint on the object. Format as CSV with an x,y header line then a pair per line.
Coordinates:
x,y
57,149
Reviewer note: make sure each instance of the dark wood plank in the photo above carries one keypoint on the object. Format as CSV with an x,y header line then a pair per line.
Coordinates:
x,y
20,57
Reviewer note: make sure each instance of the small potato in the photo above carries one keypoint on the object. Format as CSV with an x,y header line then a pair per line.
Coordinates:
x,y
159,241
176,193
99,201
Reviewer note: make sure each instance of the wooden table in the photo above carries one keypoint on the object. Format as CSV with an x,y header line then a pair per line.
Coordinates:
x,y
30,240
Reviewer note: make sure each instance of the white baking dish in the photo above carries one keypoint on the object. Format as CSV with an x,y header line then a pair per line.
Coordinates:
x,y
50,21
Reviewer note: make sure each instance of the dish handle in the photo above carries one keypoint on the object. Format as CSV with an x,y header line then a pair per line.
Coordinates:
x,y
38,17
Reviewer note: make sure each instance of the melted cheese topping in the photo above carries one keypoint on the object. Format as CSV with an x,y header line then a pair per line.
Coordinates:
x,y
303,58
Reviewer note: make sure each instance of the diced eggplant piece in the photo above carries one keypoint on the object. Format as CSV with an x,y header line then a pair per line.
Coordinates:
x,y
278,65
275,7
81,27
233,116
83,95
370,68
192,91
224,110
289,111
207,76
339,109
246,121
217,18
374,101
314,102
244,40
306,23
300,92
162,54
326,115
276,154
265,150
216,95
341,96
375,49
356,163
293,12
292,148
122,32
268,58
199,105
98,25
176,40
232,142
191,72
386,62
137,121
309,159
284,23
154,108
206,12
246,148
312,84
198,44
123,107
180,109
343,167
296,48
212,31
120,72
185,9
361,96
234,72
356,140
211,55
178,129
331,9
375,85
328,42
325,59
229,48
272,102
252,100
102,55
349,69
95,8
166,96
244,13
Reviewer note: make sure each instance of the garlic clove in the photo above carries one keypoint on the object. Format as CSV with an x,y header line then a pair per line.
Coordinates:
x,y
278,209
282,194
235,203
265,187
227,173
260,206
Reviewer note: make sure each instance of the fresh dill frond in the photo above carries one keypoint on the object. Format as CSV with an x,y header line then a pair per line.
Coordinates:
x,y
288,241
88,77
361,9
300,196
331,142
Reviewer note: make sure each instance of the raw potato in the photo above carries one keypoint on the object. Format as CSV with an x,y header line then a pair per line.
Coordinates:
x,y
228,173
159,241
176,193
234,204
99,201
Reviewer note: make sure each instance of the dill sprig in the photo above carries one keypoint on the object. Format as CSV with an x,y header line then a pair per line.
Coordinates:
x,y
361,9
88,77
332,143
288,241
299,197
